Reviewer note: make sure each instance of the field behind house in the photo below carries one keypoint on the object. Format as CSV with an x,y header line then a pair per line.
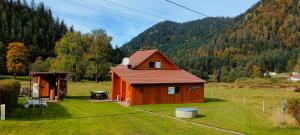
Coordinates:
x,y
238,109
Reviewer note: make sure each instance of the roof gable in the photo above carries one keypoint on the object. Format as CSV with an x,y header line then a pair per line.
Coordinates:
x,y
139,57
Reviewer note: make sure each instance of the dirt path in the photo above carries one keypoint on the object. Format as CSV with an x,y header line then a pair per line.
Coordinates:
x,y
191,122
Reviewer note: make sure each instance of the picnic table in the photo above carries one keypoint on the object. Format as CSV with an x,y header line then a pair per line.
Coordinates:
x,y
101,94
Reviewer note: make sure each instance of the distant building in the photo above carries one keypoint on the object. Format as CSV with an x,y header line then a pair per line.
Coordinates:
x,y
271,74
294,77
151,78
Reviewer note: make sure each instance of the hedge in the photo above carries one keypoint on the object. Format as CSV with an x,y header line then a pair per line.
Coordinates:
x,y
294,109
9,93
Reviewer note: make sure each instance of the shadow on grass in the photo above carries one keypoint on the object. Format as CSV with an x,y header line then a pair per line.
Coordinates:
x,y
99,116
207,100
53,111
200,116
79,97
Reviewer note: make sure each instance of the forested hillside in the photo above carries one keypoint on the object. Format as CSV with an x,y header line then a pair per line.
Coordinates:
x,y
31,24
264,38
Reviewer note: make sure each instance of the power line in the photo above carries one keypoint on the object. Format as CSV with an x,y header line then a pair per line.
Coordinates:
x,y
136,10
197,12
124,13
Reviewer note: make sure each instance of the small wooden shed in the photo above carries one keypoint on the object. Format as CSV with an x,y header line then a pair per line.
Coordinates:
x,y
48,84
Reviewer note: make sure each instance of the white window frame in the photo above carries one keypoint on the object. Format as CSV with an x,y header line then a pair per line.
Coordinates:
x,y
171,90
157,64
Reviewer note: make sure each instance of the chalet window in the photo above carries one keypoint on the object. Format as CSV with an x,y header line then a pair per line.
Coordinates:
x,y
157,64
154,64
173,90
151,64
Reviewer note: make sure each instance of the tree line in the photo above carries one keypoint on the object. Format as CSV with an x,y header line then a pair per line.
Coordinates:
x,y
82,56
31,24
31,39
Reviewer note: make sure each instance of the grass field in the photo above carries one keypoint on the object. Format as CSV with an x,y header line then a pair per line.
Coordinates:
x,y
238,109
225,107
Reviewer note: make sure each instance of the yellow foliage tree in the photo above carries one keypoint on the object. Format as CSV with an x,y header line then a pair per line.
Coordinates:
x,y
256,71
17,58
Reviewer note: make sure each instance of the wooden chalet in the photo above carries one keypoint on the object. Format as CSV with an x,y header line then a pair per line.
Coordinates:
x,y
151,78
48,85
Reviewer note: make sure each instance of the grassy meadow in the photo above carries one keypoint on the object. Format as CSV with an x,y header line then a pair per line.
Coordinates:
x,y
226,108
238,109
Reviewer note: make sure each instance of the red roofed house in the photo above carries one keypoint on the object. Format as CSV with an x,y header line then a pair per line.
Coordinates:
x,y
151,78
295,77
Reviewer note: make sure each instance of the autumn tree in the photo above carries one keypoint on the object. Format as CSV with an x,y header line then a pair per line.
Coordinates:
x,y
256,71
70,50
41,66
17,58
99,52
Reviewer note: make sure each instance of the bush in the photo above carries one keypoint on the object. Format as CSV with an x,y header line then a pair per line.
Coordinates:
x,y
253,80
294,109
9,93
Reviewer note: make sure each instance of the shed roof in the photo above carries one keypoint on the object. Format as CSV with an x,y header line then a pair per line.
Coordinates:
x,y
63,74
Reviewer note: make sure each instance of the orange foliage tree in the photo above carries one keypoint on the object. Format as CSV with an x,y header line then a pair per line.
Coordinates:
x,y
17,58
256,71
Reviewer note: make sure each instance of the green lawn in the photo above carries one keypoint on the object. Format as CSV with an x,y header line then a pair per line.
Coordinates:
x,y
224,107
77,115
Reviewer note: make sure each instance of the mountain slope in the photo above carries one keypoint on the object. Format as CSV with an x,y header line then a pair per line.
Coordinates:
x,y
264,38
171,37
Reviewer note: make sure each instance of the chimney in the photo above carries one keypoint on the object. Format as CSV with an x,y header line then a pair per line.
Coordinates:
x,y
129,66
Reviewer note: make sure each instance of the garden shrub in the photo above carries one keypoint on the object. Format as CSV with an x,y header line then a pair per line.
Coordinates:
x,y
294,109
9,93
297,89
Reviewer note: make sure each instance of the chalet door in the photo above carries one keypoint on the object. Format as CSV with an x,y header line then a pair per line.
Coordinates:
x,y
44,87
150,95
194,95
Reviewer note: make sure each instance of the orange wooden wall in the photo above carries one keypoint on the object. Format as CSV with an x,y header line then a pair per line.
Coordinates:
x,y
165,64
155,93
158,94
116,85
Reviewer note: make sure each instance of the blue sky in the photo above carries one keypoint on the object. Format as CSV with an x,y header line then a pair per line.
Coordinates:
x,y
123,24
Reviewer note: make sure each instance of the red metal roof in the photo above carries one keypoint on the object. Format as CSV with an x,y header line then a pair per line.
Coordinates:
x,y
156,76
295,76
152,76
138,57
